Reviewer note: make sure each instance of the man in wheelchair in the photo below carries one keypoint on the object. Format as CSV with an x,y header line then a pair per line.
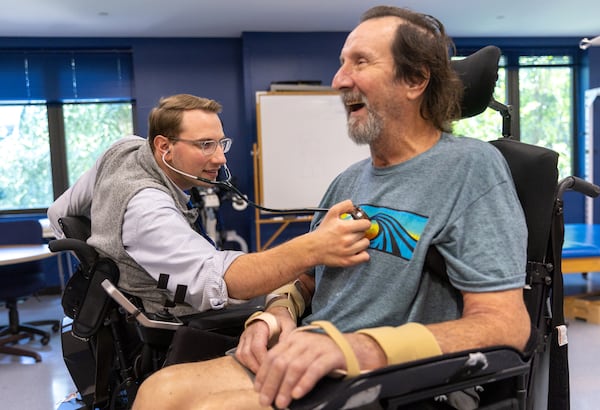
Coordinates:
x,y
422,187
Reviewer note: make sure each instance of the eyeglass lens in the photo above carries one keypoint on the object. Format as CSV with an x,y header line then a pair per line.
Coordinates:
x,y
209,147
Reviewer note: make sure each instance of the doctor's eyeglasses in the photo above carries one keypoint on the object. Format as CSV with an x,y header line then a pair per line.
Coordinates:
x,y
208,147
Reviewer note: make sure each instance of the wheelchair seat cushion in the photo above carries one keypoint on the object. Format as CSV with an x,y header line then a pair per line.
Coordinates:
x,y
190,344
207,335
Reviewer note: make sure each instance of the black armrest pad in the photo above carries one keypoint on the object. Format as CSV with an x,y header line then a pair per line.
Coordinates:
x,y
419,380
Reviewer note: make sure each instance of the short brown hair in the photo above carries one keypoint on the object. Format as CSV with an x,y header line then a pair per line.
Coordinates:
x,y
165,118
421,45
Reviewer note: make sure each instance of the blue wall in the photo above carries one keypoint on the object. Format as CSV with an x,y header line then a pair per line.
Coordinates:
x,y
205,67
232,70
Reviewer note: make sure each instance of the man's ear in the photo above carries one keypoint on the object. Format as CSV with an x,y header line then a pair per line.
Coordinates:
x,y
417,86
161,143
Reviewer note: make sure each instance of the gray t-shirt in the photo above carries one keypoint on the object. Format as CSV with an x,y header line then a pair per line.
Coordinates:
x,y
458,196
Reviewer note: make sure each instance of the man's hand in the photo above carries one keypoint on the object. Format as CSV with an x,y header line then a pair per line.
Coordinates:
x,y
345,238
335,242
254,341
292,368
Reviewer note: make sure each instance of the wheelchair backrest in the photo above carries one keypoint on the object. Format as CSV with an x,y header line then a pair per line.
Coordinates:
x,y
77,227
535,175
84,299
77,230
95,303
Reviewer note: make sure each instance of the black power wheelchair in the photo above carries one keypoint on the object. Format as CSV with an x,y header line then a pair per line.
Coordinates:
x,y
504,378
110,345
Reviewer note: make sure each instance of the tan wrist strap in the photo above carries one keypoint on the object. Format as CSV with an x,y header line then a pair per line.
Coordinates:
x,y
352,366
268,318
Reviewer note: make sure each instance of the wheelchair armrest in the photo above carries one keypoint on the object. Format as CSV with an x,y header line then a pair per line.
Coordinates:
x,y
84,252
171,323
411,382
232,317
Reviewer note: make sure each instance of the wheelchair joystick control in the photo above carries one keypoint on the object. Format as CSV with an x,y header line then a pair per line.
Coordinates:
x,y
165,316
358,213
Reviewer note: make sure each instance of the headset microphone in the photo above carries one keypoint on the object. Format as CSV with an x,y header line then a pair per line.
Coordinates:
x,y
226,184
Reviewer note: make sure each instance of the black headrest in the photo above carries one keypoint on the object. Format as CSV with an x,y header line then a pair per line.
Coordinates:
x,y
479,73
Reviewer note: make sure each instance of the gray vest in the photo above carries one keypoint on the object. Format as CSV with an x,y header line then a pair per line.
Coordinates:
x,y
124,170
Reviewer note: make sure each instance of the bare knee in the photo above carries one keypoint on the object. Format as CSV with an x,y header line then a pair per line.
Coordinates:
x,y
164,389
188,385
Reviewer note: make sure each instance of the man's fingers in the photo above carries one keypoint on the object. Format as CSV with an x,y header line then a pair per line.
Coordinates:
x,y
253,346
289,372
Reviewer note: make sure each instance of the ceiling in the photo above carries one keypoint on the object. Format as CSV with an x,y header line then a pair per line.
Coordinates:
x,y
229,18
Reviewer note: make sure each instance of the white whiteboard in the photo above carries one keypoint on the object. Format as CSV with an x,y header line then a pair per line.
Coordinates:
x,y
303,145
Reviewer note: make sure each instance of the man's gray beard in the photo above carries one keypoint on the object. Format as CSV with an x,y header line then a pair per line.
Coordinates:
x,y
365,134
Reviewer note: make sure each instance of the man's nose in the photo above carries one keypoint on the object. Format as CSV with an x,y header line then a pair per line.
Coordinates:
x,y
341,79
219,155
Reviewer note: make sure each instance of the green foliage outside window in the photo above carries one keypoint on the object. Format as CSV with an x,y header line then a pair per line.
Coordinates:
x,y
26,170
544,109
90,129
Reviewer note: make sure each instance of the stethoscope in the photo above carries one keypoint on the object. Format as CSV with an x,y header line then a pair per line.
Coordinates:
x,y
226,184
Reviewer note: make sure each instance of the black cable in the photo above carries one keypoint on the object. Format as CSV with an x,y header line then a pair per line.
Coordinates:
x,y
231,188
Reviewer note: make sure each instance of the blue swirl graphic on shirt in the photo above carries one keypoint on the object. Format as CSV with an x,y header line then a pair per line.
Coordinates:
x,y
399,231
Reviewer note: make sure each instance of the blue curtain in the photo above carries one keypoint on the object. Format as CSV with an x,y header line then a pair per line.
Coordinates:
x,y
65,75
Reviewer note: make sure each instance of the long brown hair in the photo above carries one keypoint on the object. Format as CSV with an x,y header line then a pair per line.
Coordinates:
x,y
421,50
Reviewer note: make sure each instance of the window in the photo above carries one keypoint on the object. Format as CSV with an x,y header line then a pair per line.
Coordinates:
x,y
58,111
25,169
540,89
546,105
90,129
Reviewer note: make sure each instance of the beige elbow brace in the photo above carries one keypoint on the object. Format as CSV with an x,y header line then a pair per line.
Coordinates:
x,y
405,343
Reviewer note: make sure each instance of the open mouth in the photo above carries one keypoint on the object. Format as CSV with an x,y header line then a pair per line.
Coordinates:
x,y
353,107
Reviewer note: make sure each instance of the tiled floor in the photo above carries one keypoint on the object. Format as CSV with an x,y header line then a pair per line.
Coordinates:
x,y
26,385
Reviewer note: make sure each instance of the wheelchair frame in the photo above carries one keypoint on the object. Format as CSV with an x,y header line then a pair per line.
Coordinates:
x,y
110,345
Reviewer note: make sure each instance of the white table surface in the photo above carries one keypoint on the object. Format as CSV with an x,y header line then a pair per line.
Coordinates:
x,y
12,254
